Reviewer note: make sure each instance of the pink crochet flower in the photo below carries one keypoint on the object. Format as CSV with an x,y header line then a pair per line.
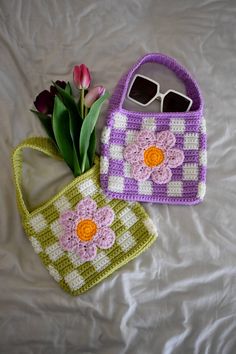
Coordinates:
x,y
153,155
87,228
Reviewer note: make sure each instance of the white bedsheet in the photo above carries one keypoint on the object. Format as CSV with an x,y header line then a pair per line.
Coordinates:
x,y
179,296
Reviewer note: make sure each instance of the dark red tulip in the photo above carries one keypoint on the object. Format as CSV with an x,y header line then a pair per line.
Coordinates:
x,y
44,102
60,83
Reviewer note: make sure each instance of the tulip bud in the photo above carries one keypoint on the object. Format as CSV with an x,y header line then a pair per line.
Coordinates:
x,y
93,95
81,76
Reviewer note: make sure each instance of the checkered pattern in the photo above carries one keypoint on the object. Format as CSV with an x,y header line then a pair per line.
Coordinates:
x,y
190,172
145,187
183,188
62,204
131,228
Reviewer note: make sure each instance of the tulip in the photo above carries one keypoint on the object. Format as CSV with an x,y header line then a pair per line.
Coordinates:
x,y
93,95
44,102
81,76
53,89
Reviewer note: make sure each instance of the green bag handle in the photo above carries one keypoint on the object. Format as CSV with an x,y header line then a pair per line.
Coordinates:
x,y
44,145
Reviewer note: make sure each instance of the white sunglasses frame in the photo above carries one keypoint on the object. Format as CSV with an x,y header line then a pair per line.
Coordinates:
x,y
159,96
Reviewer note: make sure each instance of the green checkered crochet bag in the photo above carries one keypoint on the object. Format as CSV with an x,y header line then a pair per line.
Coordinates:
x,y
81,235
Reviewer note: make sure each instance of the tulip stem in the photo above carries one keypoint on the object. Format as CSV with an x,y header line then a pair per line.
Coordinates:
x,y
85,111
82,103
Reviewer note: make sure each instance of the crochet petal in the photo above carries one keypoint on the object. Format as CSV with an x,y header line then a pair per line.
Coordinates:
x,y
104,216
132,153
165,139
140,172
175,157
105,238
146,138
67,219
87,251
86,208
68,242
162,174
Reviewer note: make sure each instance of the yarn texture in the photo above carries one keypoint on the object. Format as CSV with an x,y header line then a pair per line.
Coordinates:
x,y
152,155
80,234
87,228
155,157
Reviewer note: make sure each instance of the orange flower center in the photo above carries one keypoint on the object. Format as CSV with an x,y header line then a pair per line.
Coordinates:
x,y
86,229
153,156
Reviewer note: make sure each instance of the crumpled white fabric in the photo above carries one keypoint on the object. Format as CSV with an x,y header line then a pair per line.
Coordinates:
x,y
177,297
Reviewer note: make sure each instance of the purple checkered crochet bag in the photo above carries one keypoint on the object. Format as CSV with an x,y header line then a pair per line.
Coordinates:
x,y
133,142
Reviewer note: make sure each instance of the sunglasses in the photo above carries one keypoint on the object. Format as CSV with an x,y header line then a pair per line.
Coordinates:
x,y
144,91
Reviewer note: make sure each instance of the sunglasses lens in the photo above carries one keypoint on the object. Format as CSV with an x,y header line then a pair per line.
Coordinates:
x,y
143,90
173,102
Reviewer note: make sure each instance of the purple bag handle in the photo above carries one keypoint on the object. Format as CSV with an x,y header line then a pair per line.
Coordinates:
x,y
192,89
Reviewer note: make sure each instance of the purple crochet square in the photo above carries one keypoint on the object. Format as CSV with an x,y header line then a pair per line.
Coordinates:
x,y
177,181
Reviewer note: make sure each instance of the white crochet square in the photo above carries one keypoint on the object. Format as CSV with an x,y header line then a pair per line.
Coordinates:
x,y
190,172
126,241
74,280
203,126
149,124
101,261
127,169
201,190
54,273
62,204
130,136
191,141
177,125
175,189
36,245
116,184
120,121
105,136
127,217
145,187
56,228
151,227
104,165
54,251
116,152
203,158
87,188
38,223
75,259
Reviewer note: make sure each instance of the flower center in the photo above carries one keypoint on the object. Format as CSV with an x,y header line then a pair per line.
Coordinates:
x,y
86,229
153,156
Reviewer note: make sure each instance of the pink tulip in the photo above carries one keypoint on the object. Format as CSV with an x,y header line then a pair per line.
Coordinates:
x,y
81,76
93,94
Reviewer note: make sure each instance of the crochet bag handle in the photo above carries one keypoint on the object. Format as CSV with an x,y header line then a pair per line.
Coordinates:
x,y
192,89
44,145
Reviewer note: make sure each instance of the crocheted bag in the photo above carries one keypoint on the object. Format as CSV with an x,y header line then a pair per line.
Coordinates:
x,y
130,140
80,235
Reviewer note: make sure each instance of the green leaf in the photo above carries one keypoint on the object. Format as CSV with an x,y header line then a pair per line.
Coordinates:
x,y
46,122
87,164
74,133
61,129
75,122
92,147
79,101
69,102
68,88
77,169
87,128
